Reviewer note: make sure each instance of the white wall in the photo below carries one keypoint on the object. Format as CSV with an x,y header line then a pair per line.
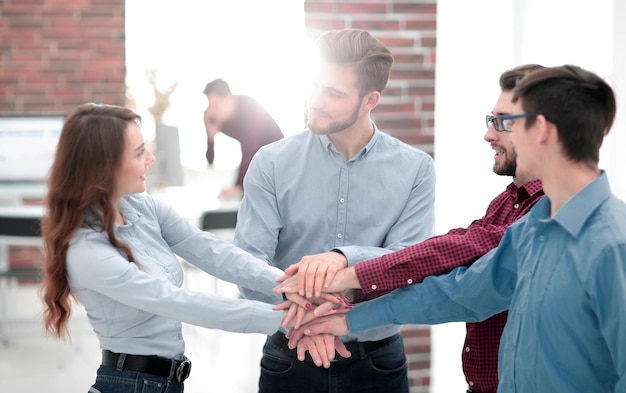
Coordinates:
x,y
476,42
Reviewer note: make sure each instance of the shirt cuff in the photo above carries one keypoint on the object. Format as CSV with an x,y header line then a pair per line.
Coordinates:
x,y
367,315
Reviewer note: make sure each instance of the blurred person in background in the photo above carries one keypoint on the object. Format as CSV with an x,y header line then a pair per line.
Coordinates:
x,y
240,117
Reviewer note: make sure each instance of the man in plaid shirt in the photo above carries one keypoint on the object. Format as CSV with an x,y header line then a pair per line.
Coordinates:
x,y
440,254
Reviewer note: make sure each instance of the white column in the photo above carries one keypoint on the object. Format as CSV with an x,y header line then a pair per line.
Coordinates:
x,y
476,42
612,155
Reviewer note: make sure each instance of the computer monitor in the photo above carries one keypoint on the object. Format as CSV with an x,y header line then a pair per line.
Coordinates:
x,y
27,146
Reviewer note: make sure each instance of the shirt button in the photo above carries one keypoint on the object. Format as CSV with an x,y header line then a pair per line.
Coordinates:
x,y
467,349
341,200
409,281
542,238
471,383
339,236
516,206
373,287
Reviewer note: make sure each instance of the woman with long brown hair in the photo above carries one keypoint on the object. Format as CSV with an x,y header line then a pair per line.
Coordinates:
x,y
113,248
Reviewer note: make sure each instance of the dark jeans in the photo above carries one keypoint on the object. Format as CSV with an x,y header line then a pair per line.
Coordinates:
x,y
111,380
382,370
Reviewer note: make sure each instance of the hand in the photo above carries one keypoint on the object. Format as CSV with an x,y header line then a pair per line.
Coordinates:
x,y
210,125
335,324
315,272
322,349
344,280
295,307
303,311
233,193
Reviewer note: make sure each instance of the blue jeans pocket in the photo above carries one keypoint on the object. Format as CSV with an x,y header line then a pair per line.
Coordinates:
x,y
389,359
110,380
275,361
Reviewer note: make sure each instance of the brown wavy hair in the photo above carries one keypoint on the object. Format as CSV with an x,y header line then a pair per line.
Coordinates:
x,y
82,179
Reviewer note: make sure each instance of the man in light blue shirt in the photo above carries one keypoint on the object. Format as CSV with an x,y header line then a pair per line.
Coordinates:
x,y
341,185
560,270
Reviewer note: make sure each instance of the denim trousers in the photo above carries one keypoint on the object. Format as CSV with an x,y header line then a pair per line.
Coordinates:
x,y
382,370
111,380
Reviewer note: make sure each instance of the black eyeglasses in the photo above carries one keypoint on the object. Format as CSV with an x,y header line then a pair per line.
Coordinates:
x,y
505,122
497,122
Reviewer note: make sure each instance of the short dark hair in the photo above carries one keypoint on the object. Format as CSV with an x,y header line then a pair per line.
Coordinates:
x,y
509,78
218,86
579,102
371,59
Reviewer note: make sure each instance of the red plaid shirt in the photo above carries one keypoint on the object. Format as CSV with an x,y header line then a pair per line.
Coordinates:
x,y
439,255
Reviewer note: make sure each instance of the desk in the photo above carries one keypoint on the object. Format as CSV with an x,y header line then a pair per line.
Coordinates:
x,y
19,226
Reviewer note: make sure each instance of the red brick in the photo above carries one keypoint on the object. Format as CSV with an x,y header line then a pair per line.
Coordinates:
x,y
392,91
72,4
318,7
395,108
376,24
428,105
427,77
412,58
421,91
428,42
397,42
413,7
421,25
362,8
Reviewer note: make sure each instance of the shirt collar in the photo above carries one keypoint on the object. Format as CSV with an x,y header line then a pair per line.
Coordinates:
x,y
526,190
330,148
577,210
532,187
130,214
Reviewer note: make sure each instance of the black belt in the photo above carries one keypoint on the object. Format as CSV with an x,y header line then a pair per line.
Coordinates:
x,y
357,348
149,364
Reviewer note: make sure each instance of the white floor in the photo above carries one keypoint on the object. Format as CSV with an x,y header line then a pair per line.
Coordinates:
x,y
222,362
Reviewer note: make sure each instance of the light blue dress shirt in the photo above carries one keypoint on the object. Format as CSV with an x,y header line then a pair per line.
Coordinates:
x,y
302,197
564,279
137,308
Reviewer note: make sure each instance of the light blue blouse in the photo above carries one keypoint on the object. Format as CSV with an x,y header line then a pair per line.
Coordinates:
x,y
302,197
564,280
137,308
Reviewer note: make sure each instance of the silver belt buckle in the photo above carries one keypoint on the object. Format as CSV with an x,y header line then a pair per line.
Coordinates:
x,y
183,370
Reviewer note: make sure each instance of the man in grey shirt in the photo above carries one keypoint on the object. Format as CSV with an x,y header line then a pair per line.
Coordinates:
x,y
340,187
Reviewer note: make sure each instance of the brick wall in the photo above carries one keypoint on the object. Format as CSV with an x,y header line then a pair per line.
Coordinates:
x,y
406,110
57,54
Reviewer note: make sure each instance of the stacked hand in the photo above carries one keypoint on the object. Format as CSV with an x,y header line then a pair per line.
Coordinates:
x,y
315,306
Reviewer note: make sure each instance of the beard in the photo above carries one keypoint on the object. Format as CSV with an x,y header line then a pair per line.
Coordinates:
x,y
509,166
335,125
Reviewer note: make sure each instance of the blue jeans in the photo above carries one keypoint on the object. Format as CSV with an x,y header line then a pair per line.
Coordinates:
x,y
111,380
382,370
